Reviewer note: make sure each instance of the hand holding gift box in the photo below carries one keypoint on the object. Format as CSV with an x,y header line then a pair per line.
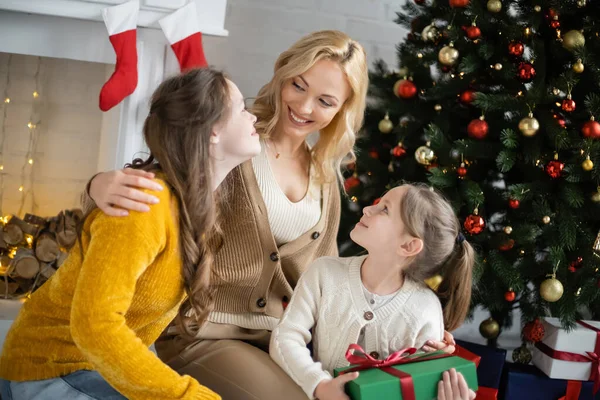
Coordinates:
x,y
571,355
403,375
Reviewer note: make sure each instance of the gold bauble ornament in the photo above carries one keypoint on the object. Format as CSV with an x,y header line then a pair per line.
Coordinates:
x,y
385,125
578,67
508,230
551,289
448,55
494,6
522,355
424,155
587,164
546,219
498,67
529,125
555,91
430,33
437,107
573,39
489,328
596,196
581,3
434,282
537,8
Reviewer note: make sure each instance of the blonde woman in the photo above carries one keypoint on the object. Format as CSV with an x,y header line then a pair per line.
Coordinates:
x,y
283,214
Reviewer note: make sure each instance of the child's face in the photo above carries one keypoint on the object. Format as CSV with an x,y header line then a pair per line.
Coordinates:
x,y
381,229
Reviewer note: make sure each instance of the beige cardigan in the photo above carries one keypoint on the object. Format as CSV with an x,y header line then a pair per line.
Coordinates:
x,y
256,275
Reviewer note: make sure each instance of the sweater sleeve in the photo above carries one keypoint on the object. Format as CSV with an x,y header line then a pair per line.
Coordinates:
x,y
87,203
431,322
289,339
119,251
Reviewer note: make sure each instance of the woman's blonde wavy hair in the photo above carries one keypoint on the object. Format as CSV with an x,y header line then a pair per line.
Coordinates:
x,y
336,140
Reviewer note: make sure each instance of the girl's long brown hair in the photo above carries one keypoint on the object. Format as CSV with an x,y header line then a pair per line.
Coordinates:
x,y
177,131
427,215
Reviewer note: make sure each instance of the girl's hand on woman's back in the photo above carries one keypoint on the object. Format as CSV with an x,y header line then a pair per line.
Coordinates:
x,y
115,192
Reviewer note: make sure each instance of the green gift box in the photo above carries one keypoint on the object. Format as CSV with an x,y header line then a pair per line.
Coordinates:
x,y
376,384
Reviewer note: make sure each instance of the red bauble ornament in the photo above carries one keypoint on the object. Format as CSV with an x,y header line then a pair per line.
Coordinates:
x,y
467,96
458,3
406,89
534,331
568,104
554,168
462,170
508,245
477,129
446,68
516,49
376,201
552,14
560,120
574,266
473,32
514,203
374,154
591,129
526,72
510,296
474,224
555,24
351,183
398,151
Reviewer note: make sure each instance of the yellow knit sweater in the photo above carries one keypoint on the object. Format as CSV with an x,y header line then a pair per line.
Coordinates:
x,y
103,312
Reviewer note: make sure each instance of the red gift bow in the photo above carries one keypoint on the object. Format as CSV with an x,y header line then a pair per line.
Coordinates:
x,y
574,357
404,356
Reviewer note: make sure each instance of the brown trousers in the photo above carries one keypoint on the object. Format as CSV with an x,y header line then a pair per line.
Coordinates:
x,y
231,361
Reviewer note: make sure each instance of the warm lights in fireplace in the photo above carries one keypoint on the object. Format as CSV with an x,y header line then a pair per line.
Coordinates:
x,y
7,100
35,95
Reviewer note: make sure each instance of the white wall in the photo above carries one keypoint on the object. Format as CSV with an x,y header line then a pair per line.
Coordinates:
x,y
259,30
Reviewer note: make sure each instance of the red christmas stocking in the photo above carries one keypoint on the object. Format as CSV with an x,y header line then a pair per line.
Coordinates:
x,y
182,30
121,23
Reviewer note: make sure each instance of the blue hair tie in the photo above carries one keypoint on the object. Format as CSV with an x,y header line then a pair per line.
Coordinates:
x,y
460,238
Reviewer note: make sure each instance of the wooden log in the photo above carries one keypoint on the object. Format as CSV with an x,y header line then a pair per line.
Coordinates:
x,y
12,234
25,265
46,247
47,270
34,220
8,288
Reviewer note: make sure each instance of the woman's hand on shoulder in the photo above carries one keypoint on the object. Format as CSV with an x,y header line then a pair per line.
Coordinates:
x,y
116,192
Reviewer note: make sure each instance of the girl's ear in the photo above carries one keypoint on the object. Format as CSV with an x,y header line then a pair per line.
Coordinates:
x,y
214,137
410,248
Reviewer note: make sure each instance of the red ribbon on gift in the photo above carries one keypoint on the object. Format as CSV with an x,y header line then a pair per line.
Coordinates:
x,y
486,393
356,355
574,357
573,391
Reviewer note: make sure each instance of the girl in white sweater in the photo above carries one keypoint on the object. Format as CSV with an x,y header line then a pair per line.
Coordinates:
x,y
379,300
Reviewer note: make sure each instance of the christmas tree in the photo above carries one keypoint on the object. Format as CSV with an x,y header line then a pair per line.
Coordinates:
x,y
493,103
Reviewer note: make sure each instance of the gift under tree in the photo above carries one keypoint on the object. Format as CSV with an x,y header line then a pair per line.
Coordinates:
x,y
495,103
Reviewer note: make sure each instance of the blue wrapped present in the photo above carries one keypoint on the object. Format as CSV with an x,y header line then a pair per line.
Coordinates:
x,y
489,371
526,382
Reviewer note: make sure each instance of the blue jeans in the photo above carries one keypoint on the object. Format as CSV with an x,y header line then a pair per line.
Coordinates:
x,y
80,385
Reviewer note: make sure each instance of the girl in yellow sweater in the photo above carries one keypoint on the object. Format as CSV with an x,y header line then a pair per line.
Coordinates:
x,y
86,333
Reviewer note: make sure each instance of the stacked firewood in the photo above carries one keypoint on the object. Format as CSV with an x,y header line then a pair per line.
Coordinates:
x,y
32,248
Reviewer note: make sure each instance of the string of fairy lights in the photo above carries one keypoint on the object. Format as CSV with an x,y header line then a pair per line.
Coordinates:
x,y
27,175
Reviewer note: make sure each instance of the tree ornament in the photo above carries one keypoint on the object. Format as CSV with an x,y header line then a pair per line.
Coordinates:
x,y
507,245
556,92
489,328
405,89
478,128
424,155
578,67
514,203
546,219
529,125
385,125
534,331
516,49
537,8
575,264
596,196
581,3
399,150
526,72
430,33
508,229
467,96
374,153
448,55
494,6
462,170
510,295
562,122
458,3
498,67
474,223
434,282
522,355
551,289
591,129
352,182
437,107
568,104
473,32
587,164
554,168
573,39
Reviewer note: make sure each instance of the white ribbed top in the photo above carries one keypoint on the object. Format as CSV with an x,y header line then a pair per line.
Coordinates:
x,y
288,220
